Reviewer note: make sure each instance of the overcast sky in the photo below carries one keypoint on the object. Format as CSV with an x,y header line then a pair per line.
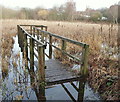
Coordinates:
x,y
80,4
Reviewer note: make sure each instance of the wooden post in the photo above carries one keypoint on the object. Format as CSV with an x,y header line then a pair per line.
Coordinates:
x,y
64,44
41,63
83,72
86,53
25,47
20,37
18,34
37,34
31,30
41,72
45,28
42,37
50,46
34,32
42,28
81,91
31,53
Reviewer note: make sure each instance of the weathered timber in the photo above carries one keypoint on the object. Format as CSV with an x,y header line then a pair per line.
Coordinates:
x,y
57,73
50,47
63,48
68,92
63,45
25,46
84,67
64,38
31,30
41,65
81,91
31,53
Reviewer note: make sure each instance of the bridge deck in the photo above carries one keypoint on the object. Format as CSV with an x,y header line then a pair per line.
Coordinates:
x,y
57,73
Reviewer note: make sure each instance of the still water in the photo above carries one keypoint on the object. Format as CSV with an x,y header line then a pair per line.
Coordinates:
x,y
17,83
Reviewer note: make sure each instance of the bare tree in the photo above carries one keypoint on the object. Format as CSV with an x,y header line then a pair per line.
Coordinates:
x,y
70,9
114,12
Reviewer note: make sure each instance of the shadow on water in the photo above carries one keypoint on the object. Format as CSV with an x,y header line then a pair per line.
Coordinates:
x,y
21,83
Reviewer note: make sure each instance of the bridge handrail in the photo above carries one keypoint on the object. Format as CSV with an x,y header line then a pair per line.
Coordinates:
x,y
31,36
41,34
63,38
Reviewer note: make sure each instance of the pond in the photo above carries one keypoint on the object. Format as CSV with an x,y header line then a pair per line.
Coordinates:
x,y
17,84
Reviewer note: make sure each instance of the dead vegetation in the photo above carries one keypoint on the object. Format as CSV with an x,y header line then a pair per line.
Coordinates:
x,y
103,58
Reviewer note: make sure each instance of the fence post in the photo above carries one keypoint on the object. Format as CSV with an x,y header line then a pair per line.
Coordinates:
x,y
85,60
32,53
64,45
18,34
42,37
41,72
45,28
50,46
81,90
41,63
83,72
20,37
31,29
37,34
25,47
34,31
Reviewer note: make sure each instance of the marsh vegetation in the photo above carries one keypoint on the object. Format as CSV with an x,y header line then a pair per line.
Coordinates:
x,y
103,53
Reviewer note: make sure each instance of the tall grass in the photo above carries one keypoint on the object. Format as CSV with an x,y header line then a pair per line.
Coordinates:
x,y
102,39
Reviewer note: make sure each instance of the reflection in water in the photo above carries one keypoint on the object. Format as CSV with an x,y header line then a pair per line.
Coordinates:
x,y
22,83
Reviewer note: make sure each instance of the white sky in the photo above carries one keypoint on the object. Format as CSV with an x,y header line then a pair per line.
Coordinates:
x,y
80,4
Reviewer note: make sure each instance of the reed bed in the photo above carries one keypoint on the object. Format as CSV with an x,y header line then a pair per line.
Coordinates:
x,y
103,57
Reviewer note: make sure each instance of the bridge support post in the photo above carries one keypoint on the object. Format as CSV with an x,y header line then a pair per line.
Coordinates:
x,y
18,34
31,29
37,34
41,63
25,50
32,53
64,44
83,72
41,72
22,41
81,90
20,37
84,67
50,46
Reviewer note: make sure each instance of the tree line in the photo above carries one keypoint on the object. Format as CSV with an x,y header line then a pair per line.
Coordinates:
x,y
65,12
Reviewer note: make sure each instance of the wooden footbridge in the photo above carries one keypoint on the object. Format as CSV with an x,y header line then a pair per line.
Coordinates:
x,y
34,40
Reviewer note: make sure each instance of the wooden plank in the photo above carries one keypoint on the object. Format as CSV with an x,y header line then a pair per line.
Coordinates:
x,y
68,92
75,86
34,25
57,73
63,48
